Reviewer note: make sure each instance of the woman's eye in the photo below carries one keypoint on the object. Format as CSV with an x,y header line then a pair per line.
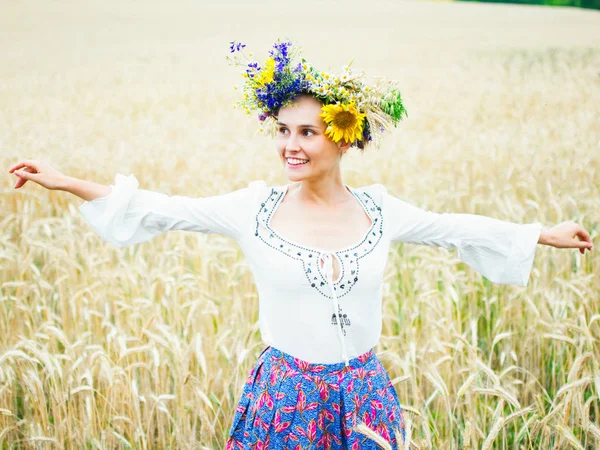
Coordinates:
x,y
305,132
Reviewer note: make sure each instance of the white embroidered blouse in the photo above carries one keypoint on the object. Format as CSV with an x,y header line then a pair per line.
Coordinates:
x,y
334,320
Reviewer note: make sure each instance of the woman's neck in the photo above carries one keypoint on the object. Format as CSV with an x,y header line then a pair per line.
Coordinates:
x,y
323,192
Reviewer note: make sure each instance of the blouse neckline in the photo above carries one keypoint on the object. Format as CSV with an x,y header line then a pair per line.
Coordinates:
x,y
284,190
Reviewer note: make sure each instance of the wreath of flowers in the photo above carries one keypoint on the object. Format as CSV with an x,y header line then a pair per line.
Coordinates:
x,y
354,111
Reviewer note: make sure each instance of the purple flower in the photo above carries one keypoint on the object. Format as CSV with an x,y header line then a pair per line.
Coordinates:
x,y
253,67
280,54
236,46
282,89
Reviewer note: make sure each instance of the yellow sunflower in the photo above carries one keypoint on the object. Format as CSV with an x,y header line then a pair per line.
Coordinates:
x,y
344,122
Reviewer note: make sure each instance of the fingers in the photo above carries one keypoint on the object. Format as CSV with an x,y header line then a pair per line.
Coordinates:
x,y
583,235
582,244
20,182
16,166
24,175
21,177
27,174
24,163
585,240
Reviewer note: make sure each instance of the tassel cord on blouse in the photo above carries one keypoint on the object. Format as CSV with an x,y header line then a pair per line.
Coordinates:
x,y
328,269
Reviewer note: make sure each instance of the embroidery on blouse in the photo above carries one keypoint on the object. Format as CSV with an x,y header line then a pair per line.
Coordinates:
x,y
342,317
349,258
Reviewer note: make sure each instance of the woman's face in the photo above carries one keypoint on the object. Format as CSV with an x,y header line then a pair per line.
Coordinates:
x,y
301,136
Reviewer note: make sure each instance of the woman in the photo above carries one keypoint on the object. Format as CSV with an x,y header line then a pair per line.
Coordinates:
x,y
317,249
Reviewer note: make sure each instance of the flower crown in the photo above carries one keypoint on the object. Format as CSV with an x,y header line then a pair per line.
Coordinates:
x,y
352,110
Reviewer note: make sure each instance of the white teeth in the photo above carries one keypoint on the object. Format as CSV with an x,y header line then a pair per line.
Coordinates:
x,y
295,161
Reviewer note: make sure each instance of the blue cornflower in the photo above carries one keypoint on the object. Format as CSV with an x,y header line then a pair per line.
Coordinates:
x,y
366,134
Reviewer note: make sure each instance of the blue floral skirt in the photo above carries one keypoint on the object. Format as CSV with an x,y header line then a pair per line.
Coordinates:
x,y
288,403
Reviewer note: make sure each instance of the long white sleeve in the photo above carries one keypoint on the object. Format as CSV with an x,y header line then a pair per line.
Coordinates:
x,y
129,215
501,251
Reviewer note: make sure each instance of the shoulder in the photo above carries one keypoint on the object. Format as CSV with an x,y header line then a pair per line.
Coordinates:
x,y
255,189
257,185
258,190
386,200
376,191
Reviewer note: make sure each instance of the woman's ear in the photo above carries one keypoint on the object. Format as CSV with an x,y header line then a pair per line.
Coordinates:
x,y
344,146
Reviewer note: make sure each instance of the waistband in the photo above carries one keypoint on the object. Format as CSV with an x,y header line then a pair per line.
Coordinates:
x,y
271,353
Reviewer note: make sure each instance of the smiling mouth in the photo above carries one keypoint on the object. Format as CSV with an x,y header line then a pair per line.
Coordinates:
x,y
296,161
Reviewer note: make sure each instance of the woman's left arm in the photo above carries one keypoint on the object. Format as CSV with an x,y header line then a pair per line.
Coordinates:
x,y
567,235
502,251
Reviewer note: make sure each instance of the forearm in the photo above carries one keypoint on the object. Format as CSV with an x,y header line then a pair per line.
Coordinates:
x,y
87,190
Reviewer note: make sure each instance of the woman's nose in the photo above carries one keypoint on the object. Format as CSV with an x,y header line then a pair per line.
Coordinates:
x,y
292,143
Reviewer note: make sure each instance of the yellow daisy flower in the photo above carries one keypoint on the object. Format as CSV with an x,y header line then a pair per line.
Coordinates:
x,y
344,122
266,74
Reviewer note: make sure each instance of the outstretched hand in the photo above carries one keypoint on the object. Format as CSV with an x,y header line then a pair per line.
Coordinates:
x,y
568,235
40,172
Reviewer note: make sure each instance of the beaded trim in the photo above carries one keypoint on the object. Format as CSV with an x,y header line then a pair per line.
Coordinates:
x,y
348,257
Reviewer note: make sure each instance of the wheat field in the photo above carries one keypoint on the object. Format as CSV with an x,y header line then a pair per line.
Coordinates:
x,y
147,347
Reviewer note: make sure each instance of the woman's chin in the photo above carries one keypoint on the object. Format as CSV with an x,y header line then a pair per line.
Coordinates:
x,y
294,175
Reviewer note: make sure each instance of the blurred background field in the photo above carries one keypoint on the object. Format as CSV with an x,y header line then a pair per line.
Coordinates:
x,y
148,347
590,4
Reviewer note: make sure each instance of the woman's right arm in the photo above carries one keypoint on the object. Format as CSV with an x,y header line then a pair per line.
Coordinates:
x,y
123,214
